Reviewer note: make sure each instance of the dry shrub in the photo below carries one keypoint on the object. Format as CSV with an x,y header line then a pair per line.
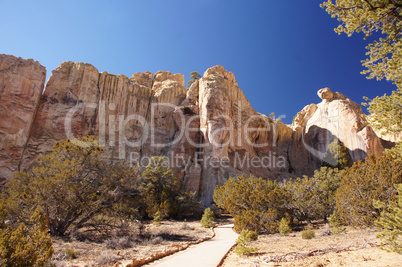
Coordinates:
x,y
72,253
119,243
185,226
106,259
308,234
59,263
156,240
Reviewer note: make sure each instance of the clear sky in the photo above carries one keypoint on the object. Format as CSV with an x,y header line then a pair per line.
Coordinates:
x,y
281,52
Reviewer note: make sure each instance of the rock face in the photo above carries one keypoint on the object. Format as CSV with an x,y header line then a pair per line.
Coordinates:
x,y
70,85
21,86
126,115
208,133
337,117
227,136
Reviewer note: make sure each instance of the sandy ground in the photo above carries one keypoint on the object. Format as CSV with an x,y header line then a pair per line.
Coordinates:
x,y
99,253
275,245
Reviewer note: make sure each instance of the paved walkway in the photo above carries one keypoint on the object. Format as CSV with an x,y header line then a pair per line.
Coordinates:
x,y
206,254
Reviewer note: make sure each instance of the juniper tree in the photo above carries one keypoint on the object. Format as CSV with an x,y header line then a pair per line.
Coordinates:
x,y
328,182
194,76
369,16
386,113
364,182
243,242
255,203
25,244
159,188
305,204
384,55
337,156
207,219
313,198
71,186
390,222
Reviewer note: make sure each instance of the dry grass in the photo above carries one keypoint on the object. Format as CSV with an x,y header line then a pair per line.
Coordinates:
x,y
122,247
271,246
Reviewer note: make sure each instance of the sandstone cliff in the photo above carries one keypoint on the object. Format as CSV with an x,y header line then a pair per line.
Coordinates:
x,y
127,115
336,117
21,86
209,132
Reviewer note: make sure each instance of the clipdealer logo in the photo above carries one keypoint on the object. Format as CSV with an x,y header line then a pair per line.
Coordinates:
x,y
220,131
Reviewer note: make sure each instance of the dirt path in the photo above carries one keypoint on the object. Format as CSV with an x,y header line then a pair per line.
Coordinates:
x,y
206,254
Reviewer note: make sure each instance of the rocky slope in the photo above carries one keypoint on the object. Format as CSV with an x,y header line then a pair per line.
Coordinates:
x,y
209,132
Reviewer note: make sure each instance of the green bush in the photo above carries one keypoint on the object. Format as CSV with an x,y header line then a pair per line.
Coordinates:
x,y
255,203
157,218
207,219
284,228
337,156
243,242
25,245
159,188
308,234
390,222
161,191
336,223
73,184
364,182
71,253
313,198
194,76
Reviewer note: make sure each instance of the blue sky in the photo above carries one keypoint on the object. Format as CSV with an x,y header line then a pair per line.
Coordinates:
x,y
281,52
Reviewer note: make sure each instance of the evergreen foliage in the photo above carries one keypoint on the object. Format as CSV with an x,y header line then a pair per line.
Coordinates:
x,y
194,76
207,219
386,113
258,204
159,188
71,186
284,228
337,156
157,217
336,223
161,191
384,55
255,203
71,253
369,16
313,198
305,202
25,244
243,242
308,234
390,222
364,182
328,182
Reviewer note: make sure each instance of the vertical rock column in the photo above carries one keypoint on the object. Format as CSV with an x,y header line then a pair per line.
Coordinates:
x,y
21,86
68,109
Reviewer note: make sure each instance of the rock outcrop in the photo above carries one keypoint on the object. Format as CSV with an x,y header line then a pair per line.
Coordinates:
x,y
68,100
337,117
209,132
227,136
131,117
21,86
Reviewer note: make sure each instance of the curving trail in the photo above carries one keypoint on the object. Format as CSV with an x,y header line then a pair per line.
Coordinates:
x,y
207,254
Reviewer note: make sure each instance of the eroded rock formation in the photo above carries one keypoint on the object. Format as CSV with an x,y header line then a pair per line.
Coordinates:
x,y
21,86
209,132
337,117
